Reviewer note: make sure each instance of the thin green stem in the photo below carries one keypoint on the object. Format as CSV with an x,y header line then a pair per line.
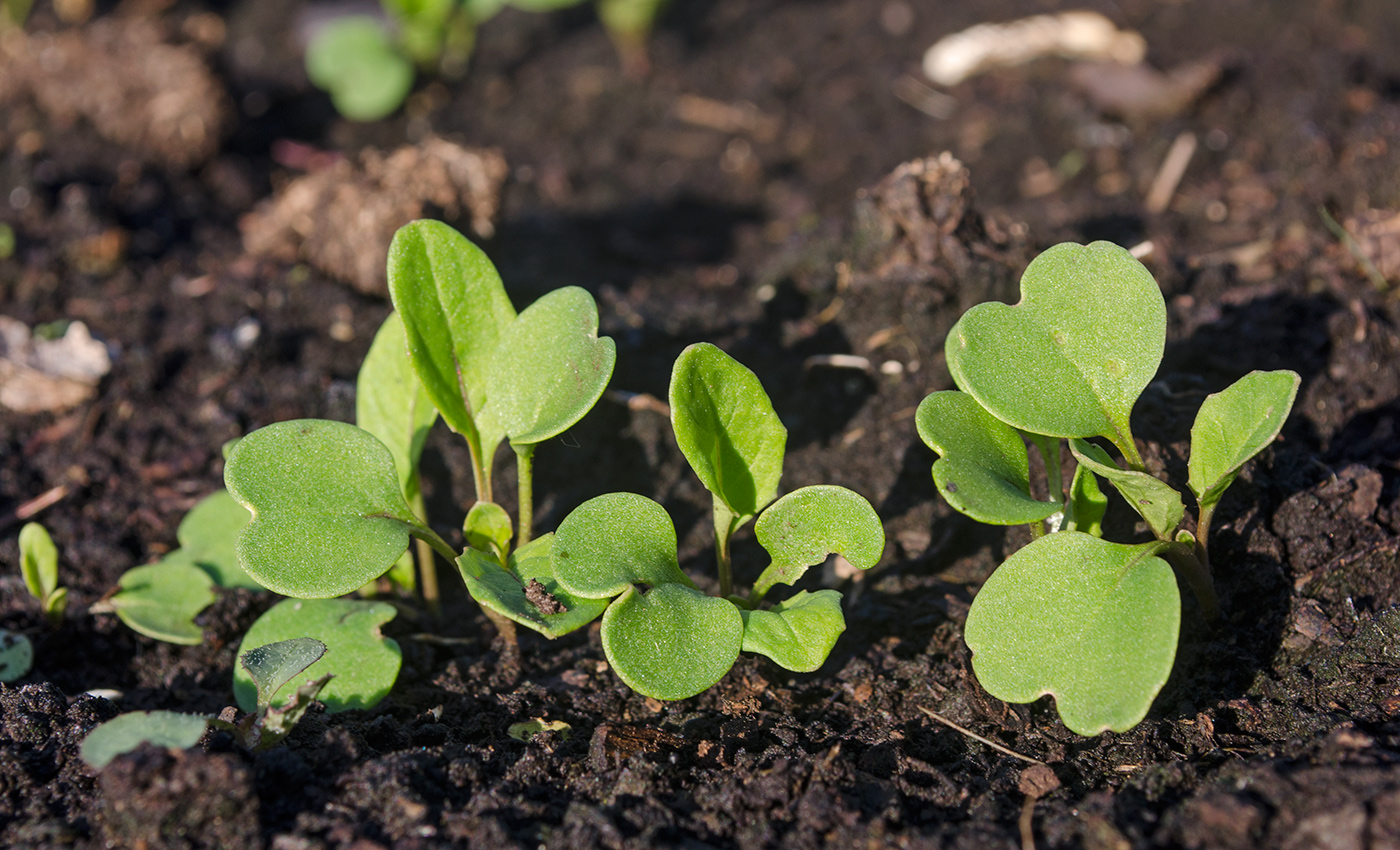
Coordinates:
x,y
1197,576
427,570
525,478
422,532
1203,521
1128,446
766,580
481,468
724,529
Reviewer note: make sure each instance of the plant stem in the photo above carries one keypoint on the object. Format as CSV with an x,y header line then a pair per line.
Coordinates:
x,y
1203,520
1184,558
481,470
525,478
724,529
1128,446
427,570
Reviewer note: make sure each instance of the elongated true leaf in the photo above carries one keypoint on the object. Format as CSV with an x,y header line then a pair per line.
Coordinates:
x,y
983,470
543,605
208,538
1093,623
362,661
802,528
673,641
797,633
613,541
273,665
38,560
354,60
726,428
550,367
1156,501
161,601
454,309
126,732
1233,426
1087,503
328,514
16,656
391,404
1071,358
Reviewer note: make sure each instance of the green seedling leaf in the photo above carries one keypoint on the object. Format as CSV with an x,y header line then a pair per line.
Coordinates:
x,y
363,662
126,732
208,538
391,404
1233,426
1092,623
798,633
454,310
354,60
1155,500
1087,503
488,528
528,592
1072,357
38,560
16,656
275,664
161,601
804,527
530,728
328,514
549,367
727,429
983,469
277,723
672,642
613,541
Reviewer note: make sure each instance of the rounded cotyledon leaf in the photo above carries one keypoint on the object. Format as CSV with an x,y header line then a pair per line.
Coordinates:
x,y
550,367
1233,426
328,513
673,641
126,732
16,656
727,429
161,601
38,560
528,592
983,470
802,528
208,538
353,58
1071,358
797,633
363,663
1093,623
613,541
1155,501
275,664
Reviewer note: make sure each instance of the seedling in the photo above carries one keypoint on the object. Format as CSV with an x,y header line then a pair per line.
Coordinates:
x,y
455,348
664,637
271,667
1091,622
367,63
38,563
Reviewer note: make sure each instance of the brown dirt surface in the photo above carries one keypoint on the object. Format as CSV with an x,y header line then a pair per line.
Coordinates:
x,y
777,186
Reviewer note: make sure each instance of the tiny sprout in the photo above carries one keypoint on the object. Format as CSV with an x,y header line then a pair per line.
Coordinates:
x,y
1092,622
38,560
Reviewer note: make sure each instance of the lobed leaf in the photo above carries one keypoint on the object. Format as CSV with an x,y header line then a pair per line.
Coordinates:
x,y
613,541
38,560
1092,623
803,528
454,310
161,601
126,732
1233,426
208,538
391,404
275,664
354,60
549,367
362,661
673,641
726,428
1072,356
797,633
328,514
983,469
508,592
16,656
1156,501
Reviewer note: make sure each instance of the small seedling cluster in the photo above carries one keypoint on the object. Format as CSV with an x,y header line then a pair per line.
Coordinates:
x,y
1092,622
38,563
367,63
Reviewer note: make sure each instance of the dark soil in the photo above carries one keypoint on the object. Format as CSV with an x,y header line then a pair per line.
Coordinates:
x,y
1280,729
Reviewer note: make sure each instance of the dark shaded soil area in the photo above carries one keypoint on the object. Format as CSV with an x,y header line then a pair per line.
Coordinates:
x,y
760,229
